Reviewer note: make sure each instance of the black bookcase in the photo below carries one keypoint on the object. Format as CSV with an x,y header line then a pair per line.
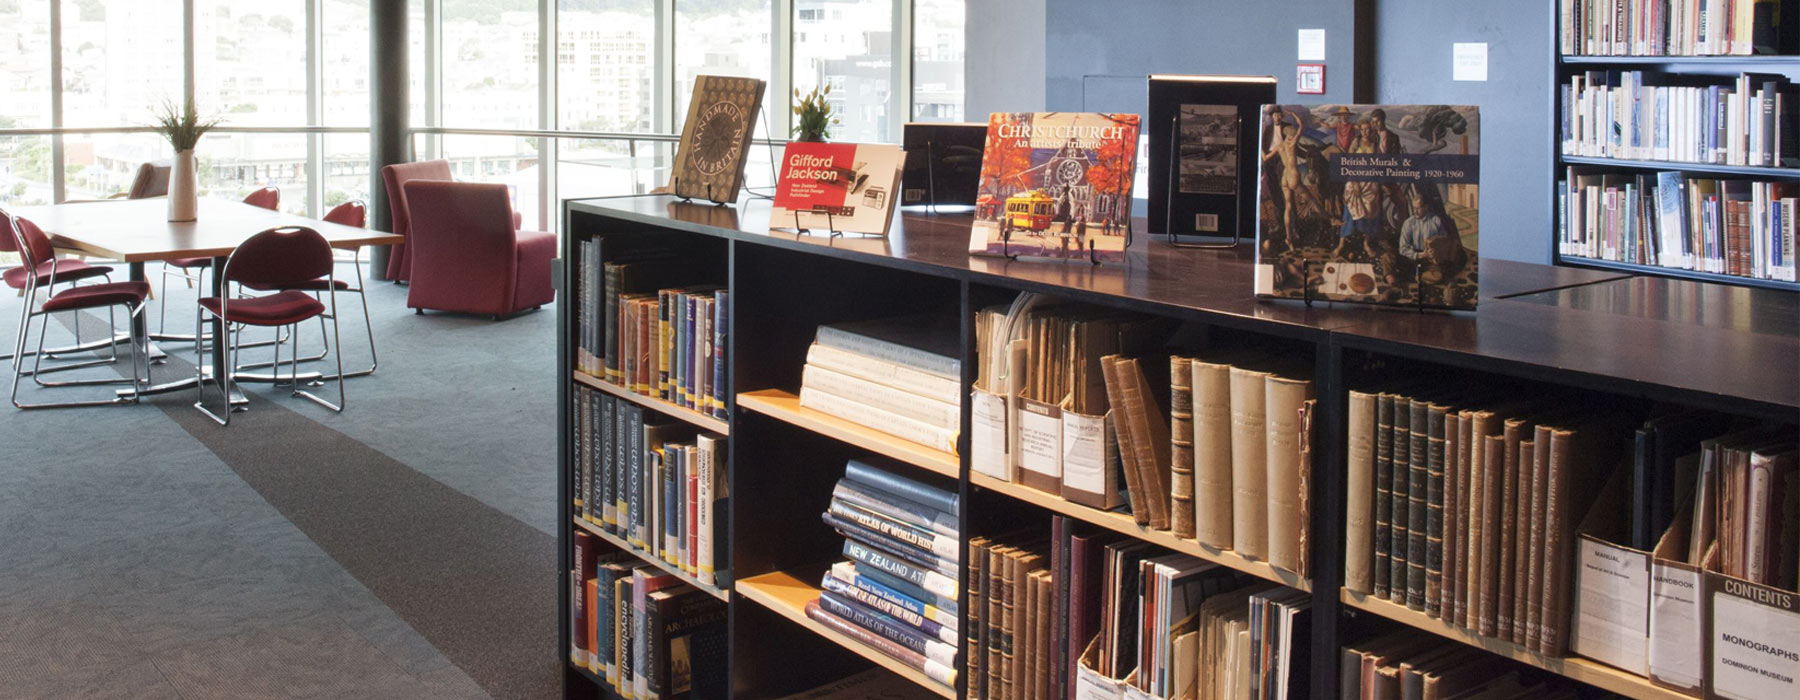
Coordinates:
x,y
1707,69
1556,327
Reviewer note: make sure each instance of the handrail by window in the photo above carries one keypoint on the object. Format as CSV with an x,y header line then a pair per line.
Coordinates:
x,y
222,129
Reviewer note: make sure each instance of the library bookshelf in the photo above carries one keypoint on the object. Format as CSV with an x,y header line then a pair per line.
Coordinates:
x,y
1554,326
1664,69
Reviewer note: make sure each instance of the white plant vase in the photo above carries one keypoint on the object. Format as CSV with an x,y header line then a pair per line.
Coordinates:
x,y
184,198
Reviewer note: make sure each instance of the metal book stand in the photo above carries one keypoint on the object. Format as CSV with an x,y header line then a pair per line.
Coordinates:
x,y
1237,231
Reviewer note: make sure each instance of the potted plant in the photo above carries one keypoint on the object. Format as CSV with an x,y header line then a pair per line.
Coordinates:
x,y
815,119
183,127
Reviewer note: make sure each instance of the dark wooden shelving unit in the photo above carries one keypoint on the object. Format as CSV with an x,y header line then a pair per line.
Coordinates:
x,y
1591,330
1719,68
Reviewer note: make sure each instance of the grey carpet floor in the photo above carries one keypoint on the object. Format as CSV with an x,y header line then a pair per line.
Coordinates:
x,y
401,549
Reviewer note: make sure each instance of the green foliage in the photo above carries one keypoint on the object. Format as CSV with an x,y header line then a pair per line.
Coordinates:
x,y
814,112
182,125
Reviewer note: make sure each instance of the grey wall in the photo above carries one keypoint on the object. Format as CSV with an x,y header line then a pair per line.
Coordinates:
x,y
1004,57
1412,51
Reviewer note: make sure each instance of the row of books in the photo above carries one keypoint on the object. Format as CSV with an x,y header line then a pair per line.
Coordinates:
x,y
1069,396
648,324
898,375
657,483
1734,227
1101,615
1675,27
897,592
1405,665
648,635
1614,114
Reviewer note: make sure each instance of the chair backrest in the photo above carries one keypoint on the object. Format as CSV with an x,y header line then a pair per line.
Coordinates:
x,y
152,181
395,178
351,213
281,256
267,198
26,239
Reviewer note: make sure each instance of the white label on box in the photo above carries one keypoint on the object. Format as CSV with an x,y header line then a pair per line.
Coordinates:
x,y
1755,641
1612,605
987,434
1312,45
1084,452
1675,625
1468,61
1132,693
1090,686
1040,439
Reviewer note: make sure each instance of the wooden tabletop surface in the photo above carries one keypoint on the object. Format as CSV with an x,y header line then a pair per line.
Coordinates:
x,y
138,230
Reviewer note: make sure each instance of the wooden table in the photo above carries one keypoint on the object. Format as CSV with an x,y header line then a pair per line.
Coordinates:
x,y
137,231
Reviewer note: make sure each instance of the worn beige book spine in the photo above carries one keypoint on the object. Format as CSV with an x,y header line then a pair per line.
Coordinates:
x,y
1123,427
1283,399
1212,453
1153,450
1249,463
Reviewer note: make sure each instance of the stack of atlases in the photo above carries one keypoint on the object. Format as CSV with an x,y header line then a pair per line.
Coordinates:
x,y
641,630
652,481
646,324
896,375
897,593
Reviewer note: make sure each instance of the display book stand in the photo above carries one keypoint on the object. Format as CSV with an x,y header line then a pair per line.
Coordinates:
x,y
784,458
1237,234
743,185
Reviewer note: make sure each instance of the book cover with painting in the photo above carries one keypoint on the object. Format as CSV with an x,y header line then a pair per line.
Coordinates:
x,y
1056,185
844,187
1369,203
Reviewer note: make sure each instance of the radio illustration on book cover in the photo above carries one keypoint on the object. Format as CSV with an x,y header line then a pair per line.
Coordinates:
x,y
1369,203
1056,184
715,140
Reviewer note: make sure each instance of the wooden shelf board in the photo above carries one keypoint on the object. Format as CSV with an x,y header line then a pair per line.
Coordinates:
x,y
1661,271
787,596
1592,673
1758,59
786,407
1769,171
606,689
655,404
652,559
1122,523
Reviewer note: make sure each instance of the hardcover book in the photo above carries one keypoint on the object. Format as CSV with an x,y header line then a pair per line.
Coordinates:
x,y
1371,204
1056,185
1203,151
943,163
844,187
715,140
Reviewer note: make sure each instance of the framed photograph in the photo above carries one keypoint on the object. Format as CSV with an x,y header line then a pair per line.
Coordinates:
x,y
1309,79
1202,152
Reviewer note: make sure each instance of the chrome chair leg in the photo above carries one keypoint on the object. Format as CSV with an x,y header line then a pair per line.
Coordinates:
x,y
139,359
339,406
224,382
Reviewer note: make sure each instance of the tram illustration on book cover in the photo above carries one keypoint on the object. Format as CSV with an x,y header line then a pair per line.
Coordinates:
x,y
1369,203
1056,185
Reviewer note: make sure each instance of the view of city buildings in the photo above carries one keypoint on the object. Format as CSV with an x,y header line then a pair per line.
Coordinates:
x,y
120,60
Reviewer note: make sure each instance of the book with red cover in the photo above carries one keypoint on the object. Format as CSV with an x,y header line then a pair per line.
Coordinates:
x,y
843,187
1056,185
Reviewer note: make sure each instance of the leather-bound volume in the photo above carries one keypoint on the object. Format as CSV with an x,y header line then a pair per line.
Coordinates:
x,y
1401,484
1483,425
1383,507
1359,513
1512,432
1124,427
1309,414
1522,569
1284,400
1181,446
1418,481
1212,453
974,660
1434,509
1249,463
1534,556
1576,462
1488,589
1452,534
1153,448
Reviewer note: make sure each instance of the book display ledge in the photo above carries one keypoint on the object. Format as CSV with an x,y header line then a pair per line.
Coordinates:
x,y
1728,349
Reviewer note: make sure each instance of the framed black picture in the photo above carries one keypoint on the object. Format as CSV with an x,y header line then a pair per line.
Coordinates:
x,y
943,163
1203,153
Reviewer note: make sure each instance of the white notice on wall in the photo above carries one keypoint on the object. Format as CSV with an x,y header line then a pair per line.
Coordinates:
x,y
1312,44
1469,61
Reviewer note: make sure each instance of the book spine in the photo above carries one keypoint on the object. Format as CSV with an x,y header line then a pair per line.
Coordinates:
x,y
895,508
1402,506
896,376
664,344
721,389
1492,468
703,516
635,476
889,627
610,319
903,613
1249,464
881,481
1359,511
1284,398
938,414
1418,480
1449,594
922,539
974,660
672,506
1507,566
1383,507
1534,578
932,581
1212,454
656,647
878,419
609,438
1181,439
941,673
894,548
884,351
1434,510
888,586
627,685
582,474
621,449
1521,568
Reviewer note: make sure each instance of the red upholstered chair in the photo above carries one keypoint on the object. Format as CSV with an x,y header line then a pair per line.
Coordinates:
x,y
354,214
41,275
279,258
48,273
194,269
395,178
467,257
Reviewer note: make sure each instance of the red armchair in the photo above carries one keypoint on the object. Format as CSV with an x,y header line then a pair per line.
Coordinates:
x,y
395,177
467,256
